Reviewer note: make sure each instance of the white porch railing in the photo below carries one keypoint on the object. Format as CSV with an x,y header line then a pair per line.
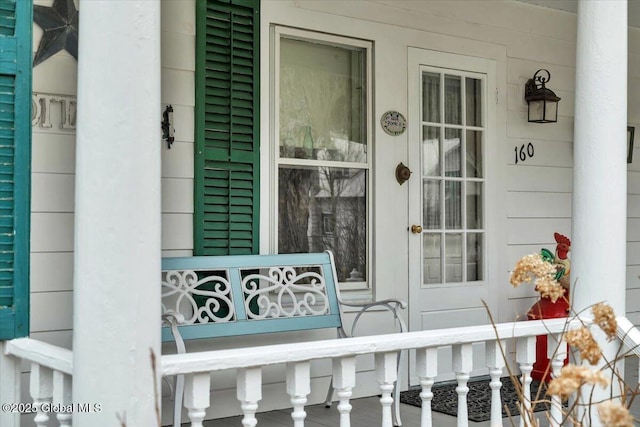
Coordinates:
x,y
49,383
51,369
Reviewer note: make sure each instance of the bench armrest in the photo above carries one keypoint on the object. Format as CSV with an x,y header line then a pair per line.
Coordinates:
x,y
173,319
391,305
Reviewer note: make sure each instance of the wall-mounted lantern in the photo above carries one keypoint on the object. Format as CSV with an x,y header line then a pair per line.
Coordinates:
x,y
167,125
543,103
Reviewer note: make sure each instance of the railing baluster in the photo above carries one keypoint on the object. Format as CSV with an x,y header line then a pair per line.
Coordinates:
x,y
427,370
196,397
62,396
557,352
525,356
41,389
249,393
344,380
387,374
495,363
298,387
9,386
462,366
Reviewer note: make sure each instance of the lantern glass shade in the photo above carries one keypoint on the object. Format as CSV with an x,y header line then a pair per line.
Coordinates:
x,y
543,111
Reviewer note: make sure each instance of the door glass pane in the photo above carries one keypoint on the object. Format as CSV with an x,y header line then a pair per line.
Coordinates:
x,y
453,258
474,154
474,257
452,152
322,102
431,263
453,204
431,97
453,177
473,92
431,204
323,208
474,205
430,151
452,100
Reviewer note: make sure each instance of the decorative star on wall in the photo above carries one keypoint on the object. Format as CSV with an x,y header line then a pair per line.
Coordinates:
x,y
60,25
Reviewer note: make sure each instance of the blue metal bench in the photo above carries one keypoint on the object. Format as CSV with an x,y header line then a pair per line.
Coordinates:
x,y
225,296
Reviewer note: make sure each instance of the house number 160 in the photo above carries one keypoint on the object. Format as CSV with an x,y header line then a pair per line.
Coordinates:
x,y
524,152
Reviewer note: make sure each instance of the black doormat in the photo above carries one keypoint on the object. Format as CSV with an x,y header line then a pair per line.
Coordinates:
x,y
445,398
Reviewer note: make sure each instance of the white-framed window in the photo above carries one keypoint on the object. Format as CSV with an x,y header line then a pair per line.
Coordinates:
x,y
322,149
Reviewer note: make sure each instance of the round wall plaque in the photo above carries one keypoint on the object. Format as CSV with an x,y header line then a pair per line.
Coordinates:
x,y
393,123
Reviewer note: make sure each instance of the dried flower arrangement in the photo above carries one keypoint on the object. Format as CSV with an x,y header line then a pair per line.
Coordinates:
x,y
549,272
544,273
613,412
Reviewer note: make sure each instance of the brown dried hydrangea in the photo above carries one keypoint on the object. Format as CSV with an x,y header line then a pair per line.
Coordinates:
x,y
613,414
604,317
549,288
532,268
583,340
572,377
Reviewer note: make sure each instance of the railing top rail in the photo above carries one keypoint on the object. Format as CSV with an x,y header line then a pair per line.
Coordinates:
x,y
628,334
207,361
50,356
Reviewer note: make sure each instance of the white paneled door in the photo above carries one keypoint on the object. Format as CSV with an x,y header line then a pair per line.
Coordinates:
x,y
451,110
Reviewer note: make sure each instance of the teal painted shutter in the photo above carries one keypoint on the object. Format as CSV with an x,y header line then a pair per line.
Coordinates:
x,y
227,117
15,161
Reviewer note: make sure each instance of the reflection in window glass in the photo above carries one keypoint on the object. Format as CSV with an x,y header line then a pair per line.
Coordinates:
x,y
324,121
453,258
473,94
452,100
430,151
322,208
431,97
474,205
453,204
322,101
432,258
474,257
431,204
452,152
453,176
474,154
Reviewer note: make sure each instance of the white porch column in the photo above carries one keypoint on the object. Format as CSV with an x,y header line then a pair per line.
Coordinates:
x,y
117,219
599,230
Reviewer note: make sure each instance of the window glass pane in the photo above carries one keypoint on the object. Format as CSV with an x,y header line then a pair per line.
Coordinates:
x,y
452,100
431,204
322,102
323,208
453,204
453,258
474,154
474,257
473,94
431,97
430,151
452,152
474,205
431,251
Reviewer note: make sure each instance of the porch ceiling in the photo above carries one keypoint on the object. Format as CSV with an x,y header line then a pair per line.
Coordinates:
x,y
572,6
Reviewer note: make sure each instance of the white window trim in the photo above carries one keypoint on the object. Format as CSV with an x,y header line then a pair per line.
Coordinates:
x,y
362,290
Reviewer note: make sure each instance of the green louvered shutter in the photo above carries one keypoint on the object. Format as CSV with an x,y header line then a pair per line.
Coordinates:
x,y
15,155
227,116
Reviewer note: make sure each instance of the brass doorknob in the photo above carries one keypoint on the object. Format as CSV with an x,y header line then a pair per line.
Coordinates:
x,y
416,229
